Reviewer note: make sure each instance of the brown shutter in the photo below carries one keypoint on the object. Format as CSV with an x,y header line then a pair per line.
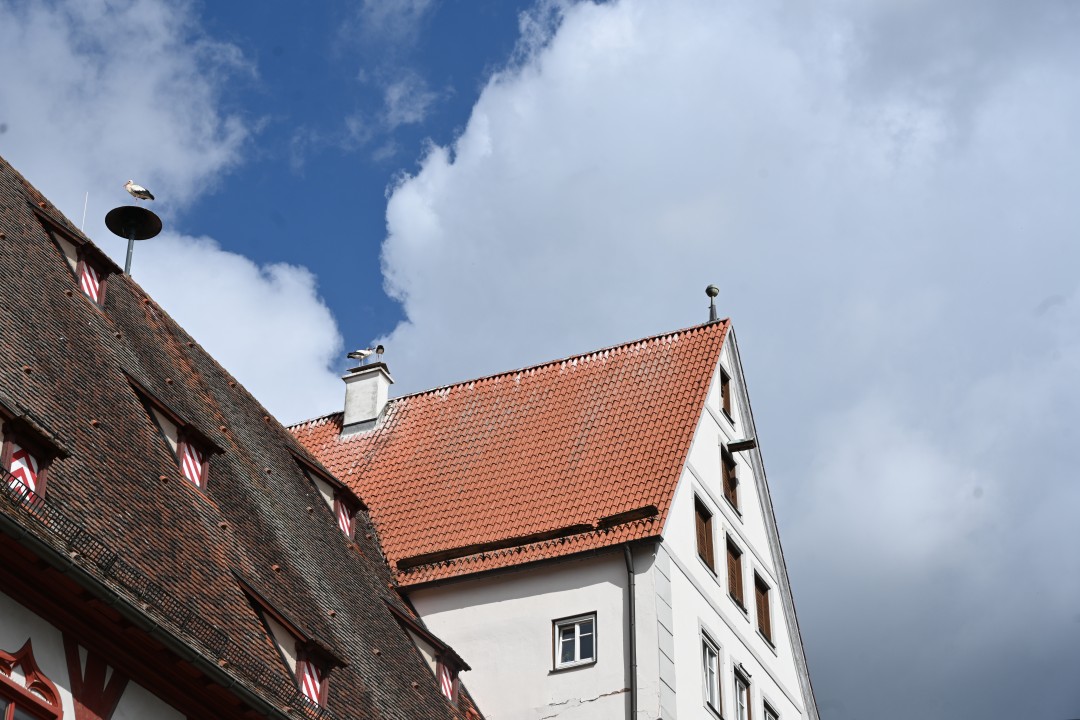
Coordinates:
x,y
704,532
725,392
731,482
735,588
761,602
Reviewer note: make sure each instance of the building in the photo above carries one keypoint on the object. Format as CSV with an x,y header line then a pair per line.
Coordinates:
x,y
169,550
596,533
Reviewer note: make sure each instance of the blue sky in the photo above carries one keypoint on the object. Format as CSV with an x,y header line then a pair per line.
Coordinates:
x,y
884,191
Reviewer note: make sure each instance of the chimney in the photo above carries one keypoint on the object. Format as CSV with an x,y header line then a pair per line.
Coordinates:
x,y
367,389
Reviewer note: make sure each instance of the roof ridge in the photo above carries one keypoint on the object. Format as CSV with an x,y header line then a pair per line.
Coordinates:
x,y
569,358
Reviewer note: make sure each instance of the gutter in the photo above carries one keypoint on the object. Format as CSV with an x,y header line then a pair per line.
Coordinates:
x,y
632,622
113,599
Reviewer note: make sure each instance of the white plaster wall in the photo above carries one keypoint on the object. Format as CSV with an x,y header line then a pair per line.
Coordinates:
x,y
700,595
502,627
17,623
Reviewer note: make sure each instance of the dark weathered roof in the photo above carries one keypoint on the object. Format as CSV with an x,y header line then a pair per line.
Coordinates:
x,y
70,369
560,458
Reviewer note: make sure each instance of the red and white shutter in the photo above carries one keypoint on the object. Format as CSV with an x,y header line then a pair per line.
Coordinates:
x,y
24,467
191,462
89,282
344,517
310,681
446,679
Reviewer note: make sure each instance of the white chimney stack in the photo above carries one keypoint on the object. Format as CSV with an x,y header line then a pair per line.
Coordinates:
x,y
367,390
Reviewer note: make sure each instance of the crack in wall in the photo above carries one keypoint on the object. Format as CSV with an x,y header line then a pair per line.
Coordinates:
x,y
579,702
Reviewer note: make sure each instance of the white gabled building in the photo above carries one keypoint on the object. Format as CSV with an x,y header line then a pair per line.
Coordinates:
x,y
595,534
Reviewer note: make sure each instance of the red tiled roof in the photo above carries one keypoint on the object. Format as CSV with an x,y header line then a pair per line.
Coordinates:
x,y
530,464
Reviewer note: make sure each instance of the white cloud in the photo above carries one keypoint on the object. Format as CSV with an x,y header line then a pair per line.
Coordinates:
x,y
96,93
406,101
392,23
884,194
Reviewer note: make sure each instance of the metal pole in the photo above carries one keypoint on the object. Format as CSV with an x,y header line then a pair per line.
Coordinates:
x,y
131,246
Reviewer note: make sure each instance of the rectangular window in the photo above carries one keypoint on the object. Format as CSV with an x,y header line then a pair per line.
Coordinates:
x,y
704,532
734,572
725,394
447,679
192,463
24,467
742,697
575,641
344,515
710,673
311,680
761,603
771,714
90,282
731,479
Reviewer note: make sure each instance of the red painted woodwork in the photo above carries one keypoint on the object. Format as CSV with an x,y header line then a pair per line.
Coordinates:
x,y
36,695
94,698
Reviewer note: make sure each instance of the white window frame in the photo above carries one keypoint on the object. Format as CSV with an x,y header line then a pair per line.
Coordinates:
x,y
576,622
742,695
710,686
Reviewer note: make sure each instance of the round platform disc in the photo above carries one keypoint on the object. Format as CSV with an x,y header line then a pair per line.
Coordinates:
x,y
133,221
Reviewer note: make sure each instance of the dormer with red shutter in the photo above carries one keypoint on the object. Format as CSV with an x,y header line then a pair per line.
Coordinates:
x,y
190,446
26,452
90,266
341,500
440,657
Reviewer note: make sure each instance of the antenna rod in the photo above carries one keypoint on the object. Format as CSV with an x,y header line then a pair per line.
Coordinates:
x,y
86,200
712,291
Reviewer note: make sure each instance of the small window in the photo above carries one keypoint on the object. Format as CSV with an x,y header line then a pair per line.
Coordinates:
x,y
770,713
447,677
192,462
734,571
26,694
710,673
91,282
725,394
731,479
761,603
703,523
344,514
191,450
26,461
742,697
311,679
575,641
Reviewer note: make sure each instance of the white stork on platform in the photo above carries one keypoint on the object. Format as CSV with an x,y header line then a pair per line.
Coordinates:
x,y
138,191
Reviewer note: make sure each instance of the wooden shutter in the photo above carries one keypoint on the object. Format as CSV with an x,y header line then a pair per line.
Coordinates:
x,y
731,481
725,393
734,569
704,532
761,602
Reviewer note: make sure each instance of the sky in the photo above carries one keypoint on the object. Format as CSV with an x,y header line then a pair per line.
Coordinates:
x,y
884,191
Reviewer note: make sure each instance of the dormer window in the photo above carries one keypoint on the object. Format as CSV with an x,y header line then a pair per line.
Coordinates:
x,y
337,496
191,448
90,282
440,657
308,659
25,458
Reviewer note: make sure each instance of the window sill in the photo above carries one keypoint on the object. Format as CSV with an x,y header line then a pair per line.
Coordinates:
x,y
739,605
706,566
572,666
713,712
734,507
726,414
770,643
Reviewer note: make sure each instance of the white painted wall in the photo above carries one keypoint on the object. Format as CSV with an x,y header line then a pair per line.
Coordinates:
x,y
502,626
17,623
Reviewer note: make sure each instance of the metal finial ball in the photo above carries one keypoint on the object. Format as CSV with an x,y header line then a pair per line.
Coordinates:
x,y
712,291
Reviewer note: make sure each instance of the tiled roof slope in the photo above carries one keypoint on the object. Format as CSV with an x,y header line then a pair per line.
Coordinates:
x,y
66,365
561,458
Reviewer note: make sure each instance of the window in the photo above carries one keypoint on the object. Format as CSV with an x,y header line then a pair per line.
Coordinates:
x,y
710,673
344,514
742,697
26,459
725,394
311,679
575,641
191,448
761,603
734,573
447,679
27,695
91,282
731,479
704,532
337,497
771,714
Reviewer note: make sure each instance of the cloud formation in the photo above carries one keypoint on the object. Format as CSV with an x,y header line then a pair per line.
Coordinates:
x,y
105,92
884,194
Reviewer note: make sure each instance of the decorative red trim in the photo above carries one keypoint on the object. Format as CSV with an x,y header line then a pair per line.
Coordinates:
x,y
94,698
37,687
